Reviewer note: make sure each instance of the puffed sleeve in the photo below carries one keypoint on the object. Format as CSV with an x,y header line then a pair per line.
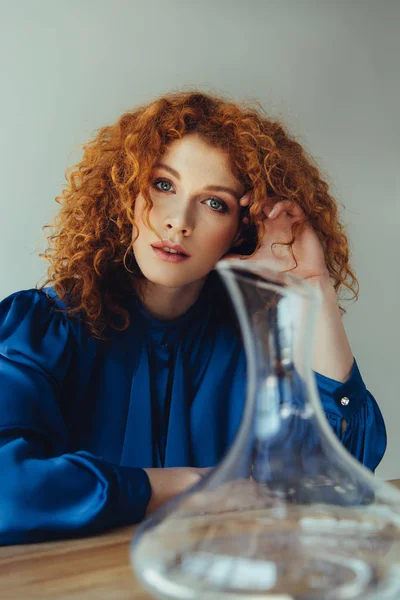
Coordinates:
x,y
365,432
46,492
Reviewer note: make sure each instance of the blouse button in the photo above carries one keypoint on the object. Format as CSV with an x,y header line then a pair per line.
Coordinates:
x,y
345,401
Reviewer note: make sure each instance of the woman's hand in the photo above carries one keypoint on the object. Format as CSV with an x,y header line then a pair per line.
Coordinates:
x,y
167,483
305,258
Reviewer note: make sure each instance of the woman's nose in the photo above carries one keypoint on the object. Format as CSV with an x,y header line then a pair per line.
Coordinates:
x,y
179,223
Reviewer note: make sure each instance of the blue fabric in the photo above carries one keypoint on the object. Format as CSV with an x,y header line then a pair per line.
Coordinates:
x,y
80,418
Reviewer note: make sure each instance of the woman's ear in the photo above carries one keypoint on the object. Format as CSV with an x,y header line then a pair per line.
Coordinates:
x,y
241,236
239,239
244,220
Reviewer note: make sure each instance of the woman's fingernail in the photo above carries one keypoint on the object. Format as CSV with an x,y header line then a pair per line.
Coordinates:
x,y
272,214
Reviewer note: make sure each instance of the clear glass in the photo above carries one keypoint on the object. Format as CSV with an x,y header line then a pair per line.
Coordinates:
x,y
288,514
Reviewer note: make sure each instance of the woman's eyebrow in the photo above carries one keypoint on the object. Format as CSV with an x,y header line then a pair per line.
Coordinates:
x,y
223,188
209,188
167,168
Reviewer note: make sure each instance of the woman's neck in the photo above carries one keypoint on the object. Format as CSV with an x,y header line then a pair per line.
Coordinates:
x,y
165,303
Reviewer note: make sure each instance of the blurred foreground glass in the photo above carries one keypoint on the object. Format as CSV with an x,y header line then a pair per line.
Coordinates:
x,y
288,513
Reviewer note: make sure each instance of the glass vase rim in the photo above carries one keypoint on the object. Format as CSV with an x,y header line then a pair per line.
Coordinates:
x,y
283,279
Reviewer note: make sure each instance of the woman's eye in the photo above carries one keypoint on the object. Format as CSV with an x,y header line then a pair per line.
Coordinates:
x,y
217,205
163,185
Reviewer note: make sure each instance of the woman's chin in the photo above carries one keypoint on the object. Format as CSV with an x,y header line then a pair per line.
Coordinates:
x,y
170,280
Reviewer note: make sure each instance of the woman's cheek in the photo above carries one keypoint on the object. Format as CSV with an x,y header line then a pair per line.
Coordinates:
x,y
221,241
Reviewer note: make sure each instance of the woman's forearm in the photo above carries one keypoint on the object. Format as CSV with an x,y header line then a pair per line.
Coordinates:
x,y
332,355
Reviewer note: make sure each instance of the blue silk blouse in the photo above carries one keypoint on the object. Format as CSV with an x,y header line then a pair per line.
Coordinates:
x,y
80,417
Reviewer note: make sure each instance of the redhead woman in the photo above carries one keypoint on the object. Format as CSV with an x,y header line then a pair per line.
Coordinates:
x,y
123,378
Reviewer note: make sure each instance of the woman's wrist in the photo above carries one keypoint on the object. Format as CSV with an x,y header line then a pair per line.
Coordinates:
x,y
323,283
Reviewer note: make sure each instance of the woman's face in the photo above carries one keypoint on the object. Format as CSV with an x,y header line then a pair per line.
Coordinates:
x,y
195,205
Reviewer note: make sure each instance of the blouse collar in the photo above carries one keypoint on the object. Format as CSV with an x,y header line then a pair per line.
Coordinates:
x,y
170,331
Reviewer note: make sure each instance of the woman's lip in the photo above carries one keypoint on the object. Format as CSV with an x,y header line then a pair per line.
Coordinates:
x,y
168,244
169,257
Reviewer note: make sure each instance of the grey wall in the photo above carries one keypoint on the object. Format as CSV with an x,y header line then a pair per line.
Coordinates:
x,y
329,69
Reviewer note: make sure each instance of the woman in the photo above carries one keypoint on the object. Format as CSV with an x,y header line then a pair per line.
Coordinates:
x,y
128,361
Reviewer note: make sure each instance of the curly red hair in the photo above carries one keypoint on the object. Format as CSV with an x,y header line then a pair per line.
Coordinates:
x,y
92,265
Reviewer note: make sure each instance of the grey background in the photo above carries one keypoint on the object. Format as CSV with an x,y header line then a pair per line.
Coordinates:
x,y
329,69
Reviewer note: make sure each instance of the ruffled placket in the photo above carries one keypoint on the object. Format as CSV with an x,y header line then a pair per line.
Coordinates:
x,y
159,413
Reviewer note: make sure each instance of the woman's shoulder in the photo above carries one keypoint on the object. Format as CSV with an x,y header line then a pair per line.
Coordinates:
x,y
37,333
31,302
31,315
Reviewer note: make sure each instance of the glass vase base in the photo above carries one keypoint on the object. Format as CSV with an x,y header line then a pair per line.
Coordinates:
x,y
283,553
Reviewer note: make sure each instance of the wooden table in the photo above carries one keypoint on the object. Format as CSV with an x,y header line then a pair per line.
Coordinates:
x,y
96,568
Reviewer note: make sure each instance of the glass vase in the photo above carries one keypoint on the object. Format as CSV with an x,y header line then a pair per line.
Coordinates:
x,y
288,513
